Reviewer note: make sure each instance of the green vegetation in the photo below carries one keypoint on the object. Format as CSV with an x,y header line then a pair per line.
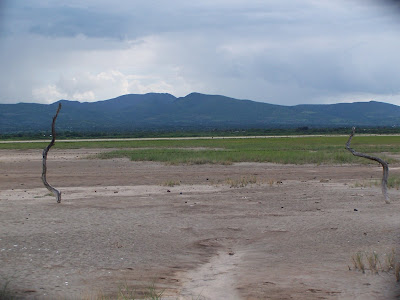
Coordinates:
x,y
299,150
285,150
393,182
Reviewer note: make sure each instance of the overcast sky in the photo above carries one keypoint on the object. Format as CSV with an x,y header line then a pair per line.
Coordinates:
x,y
284,52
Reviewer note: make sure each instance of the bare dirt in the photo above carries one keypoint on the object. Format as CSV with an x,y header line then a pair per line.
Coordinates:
x,y
289,236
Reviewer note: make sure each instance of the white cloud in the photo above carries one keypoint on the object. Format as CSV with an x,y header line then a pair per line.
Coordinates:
x,y
47,94
89,87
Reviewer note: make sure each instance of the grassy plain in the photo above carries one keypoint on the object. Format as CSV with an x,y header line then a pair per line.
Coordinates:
x,y
284,150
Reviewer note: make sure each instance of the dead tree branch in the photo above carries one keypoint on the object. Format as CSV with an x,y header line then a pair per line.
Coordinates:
x,y
55,192
382,162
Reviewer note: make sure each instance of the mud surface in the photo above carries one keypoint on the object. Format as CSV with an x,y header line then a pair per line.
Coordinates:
x,y
291,235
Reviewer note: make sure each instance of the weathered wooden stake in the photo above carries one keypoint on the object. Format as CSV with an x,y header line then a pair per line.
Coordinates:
x,y
55,192
382,162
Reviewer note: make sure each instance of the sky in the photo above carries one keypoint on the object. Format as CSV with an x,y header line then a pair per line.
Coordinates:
x,y
284,52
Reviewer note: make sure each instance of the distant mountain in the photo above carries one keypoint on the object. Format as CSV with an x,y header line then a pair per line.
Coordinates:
x,y
195,111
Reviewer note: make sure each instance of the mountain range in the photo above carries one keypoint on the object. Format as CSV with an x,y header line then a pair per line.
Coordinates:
x,y
156,111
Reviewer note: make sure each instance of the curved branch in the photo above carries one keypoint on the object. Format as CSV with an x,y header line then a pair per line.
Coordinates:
x,y
55,192
384,164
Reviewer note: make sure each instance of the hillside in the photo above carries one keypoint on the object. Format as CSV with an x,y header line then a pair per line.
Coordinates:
x,y
195,111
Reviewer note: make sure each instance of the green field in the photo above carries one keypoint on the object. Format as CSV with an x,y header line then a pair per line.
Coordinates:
x,y
285,150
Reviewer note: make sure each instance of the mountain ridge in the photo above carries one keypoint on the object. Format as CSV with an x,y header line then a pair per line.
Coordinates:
x,y
163,111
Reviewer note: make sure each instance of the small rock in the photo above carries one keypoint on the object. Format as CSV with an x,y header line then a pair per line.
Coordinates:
x,y
231,253
355,209
180,193
168,191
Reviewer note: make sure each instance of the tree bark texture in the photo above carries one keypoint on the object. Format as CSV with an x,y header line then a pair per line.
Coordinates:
x,y
384,164
55,192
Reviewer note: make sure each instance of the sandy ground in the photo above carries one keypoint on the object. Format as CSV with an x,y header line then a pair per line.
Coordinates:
x,y
290,236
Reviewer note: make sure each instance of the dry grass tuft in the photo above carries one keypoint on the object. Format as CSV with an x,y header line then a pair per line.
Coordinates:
x,y
366,184
171,183
358,261
242,182
390,261
374,263
127,293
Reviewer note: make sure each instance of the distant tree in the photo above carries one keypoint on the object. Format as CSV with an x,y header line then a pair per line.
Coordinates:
x,y
303,128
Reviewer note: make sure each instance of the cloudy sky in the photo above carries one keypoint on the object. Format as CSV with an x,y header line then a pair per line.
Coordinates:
x,y
284,52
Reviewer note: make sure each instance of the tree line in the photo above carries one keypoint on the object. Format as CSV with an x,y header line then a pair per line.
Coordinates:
x,y
304,130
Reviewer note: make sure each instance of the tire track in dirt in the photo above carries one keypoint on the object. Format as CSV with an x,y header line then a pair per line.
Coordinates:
x,y
213,280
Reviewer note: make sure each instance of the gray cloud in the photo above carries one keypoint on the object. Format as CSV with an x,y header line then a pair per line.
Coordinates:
x,y
285,52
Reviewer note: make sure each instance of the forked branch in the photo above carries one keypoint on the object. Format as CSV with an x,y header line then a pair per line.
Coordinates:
x,y
55,192
382,162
